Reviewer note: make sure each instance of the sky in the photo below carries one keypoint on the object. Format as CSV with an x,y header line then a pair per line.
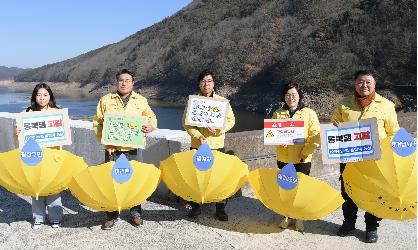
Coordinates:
x,y
38,32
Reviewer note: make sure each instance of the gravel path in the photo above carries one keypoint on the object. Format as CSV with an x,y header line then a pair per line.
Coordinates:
x,y
166,226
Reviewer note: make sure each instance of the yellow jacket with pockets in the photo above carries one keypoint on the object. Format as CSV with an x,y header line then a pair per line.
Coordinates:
x,y
381,108
291,153
215,141
112,102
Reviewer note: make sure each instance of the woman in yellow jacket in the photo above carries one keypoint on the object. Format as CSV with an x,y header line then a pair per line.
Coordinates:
x,y
299,154
365,103
213,137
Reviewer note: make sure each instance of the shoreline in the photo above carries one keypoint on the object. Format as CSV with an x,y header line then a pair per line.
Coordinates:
x,y
75,90
408,120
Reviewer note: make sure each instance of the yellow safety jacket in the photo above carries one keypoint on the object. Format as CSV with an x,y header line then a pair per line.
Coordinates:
x,y
215,141
381,108
112,102
292,153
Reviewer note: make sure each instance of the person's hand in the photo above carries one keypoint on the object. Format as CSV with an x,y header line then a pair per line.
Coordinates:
x,y
110,149
212,130
17,131
202,140
283,145
336,123
148,128
303,157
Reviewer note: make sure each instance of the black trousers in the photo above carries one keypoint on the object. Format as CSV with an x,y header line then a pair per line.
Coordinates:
x,y
303,167
130,155
350,208
218,204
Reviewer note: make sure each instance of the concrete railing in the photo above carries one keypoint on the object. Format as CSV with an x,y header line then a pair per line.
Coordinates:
x,y
161,143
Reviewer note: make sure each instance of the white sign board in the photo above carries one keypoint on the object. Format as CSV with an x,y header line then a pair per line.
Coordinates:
x,y
47,128
284,131
351,142
206,112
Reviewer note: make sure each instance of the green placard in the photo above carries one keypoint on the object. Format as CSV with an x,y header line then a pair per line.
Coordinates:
x,y
123,130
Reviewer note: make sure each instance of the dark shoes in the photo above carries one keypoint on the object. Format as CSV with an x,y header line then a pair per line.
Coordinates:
x,y
346,229
220,213
371,236
108,224
137,221
196,211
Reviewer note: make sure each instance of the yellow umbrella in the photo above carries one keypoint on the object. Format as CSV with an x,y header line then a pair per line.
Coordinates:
x,y
50,176
311,199
97,187
387,187
220,181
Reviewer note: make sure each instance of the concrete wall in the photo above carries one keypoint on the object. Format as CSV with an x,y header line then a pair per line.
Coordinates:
x,y
248,146
159,144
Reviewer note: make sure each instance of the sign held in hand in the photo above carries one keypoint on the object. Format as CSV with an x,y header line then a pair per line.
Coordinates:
x,y
351,142
47,128
206,112
284,131
124,130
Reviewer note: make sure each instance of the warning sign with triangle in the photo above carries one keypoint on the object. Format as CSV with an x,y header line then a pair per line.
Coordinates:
x,y
270,134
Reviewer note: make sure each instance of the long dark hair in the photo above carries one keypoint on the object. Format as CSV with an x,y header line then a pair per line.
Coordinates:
x,y
33,105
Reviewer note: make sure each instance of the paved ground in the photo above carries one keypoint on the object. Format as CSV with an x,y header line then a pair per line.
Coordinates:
x,y
166,226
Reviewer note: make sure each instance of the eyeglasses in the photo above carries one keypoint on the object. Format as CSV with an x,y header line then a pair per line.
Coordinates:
x,y
360,83
206,81
288,96
125,81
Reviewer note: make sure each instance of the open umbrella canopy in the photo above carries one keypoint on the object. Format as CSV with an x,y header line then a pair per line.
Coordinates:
x,y
49,174
114,186
205,183
387,187
307,199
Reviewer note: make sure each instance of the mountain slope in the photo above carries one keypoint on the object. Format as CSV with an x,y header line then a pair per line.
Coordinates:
x,y
7,73
255,46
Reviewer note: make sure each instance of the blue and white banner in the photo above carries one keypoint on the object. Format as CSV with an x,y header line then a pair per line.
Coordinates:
x,y
47,128
350,142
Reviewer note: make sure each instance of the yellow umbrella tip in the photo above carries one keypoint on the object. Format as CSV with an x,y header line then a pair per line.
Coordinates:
x,y
399,199
37,196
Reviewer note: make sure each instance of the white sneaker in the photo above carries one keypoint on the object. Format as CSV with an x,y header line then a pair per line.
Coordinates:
x,y
299,226
36,225
55,225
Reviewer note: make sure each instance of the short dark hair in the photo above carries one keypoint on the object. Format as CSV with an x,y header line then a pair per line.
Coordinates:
x,y
291,86
204,73
33,105
125,71
364,72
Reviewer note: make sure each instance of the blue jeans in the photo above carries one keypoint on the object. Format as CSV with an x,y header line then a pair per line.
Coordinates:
x,y
52,203
130,155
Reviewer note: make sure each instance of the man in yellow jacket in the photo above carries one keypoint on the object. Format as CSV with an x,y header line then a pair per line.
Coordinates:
x,y
365,103
213,137
127,101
